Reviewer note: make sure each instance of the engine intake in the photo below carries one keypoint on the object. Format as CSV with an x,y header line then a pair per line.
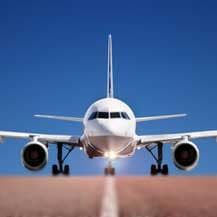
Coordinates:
x,y
185,155
34,156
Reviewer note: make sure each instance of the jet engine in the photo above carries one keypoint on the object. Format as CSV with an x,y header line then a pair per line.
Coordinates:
x,y
34,155
185,155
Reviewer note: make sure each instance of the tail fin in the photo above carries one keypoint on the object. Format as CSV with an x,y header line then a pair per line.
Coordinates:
x,y
110,93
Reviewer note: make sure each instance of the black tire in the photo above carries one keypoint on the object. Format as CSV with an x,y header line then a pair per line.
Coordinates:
x,y
55,170
66,170
106,171
109,171
165,170
112,171
153,170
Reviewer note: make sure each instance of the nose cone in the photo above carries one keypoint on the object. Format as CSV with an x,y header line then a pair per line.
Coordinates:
x,y
110,127
110,143
111,135
115,128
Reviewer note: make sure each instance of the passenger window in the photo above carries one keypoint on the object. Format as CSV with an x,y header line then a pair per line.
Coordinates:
x,y
92,116
115,115
103,115
125,115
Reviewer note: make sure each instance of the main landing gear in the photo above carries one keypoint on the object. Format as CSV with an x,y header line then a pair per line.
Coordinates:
x,y
60,169
109,171
158,168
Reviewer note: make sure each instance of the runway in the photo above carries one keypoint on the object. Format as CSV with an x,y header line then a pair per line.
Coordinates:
x,y
108,196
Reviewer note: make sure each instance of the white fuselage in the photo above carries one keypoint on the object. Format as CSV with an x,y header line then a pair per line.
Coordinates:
x,y
109,127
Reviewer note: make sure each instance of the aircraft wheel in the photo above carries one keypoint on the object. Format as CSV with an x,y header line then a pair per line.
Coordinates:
x,y
106,171
55,170
165,170
66,170
153,170
109,171
112,171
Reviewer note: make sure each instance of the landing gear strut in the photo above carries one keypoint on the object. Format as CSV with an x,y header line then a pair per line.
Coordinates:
x,y
109,171
158,168
57,169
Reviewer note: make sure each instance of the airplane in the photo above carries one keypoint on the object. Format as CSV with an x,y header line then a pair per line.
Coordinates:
x,y
109,131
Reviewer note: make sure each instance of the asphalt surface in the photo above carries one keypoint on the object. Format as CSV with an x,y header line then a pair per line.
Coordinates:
x,y
108,197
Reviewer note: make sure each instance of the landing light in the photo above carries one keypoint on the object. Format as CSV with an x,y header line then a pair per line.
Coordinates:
x,y
81,148
111,155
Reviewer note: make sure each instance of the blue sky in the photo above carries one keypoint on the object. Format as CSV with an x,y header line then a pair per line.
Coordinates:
x,y
53,61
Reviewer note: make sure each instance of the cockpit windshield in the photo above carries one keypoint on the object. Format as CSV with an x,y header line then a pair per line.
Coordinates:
x,y
93,116
115,115
104,115
108,115
125,115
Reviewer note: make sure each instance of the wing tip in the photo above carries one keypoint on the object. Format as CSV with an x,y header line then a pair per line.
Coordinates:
x,y
183,115
38,116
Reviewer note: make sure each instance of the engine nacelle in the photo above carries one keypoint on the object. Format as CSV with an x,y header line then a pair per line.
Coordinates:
x,y
185,155
34,155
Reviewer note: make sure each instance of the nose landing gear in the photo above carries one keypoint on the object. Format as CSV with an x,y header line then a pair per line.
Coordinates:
x,y
155,169
109,171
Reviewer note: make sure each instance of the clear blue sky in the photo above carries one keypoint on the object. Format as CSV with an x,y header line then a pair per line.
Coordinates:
x,y
53,61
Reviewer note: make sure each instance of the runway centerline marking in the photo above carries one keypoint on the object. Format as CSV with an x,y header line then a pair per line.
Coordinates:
x,y
109,201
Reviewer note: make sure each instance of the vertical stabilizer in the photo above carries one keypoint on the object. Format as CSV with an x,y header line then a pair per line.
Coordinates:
x,y
110,93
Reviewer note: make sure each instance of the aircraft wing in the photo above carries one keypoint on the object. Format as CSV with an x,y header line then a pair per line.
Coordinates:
x,y
47,138
173,138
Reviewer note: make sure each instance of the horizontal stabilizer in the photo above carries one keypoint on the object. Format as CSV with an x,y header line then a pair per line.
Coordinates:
x,y
63,118
153,118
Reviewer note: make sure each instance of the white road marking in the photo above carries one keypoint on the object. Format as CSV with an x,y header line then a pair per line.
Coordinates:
x,y
109,202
